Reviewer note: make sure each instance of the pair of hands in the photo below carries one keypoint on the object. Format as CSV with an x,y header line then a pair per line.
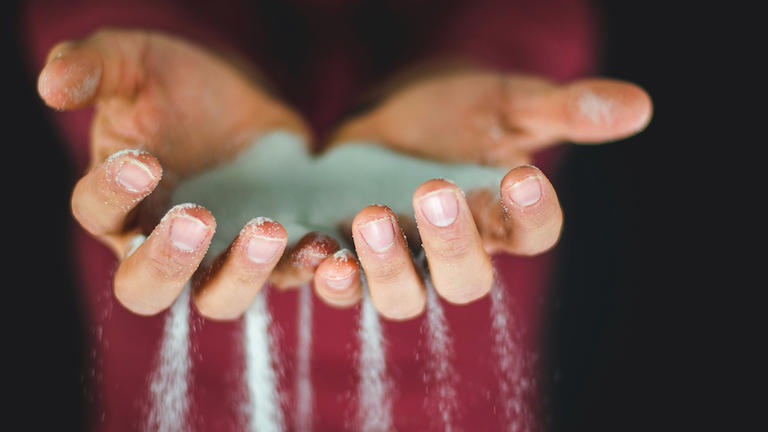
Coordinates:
x,y
184,110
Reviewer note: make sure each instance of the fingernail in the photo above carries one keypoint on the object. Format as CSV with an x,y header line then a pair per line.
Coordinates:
x,y
440,207
187,232
340,284
526,192
379,234
134,176
262,249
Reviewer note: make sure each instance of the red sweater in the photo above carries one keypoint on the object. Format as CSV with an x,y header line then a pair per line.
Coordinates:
x,y
343,49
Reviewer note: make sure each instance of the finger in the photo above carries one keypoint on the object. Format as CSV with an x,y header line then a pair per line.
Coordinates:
x,y
337,280
79,72
298,266
585,111
460,269
103,198
529,221
230,286
151,278
396,289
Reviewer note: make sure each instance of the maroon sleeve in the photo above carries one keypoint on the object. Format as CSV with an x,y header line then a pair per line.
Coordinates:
x,y
554,39
45,23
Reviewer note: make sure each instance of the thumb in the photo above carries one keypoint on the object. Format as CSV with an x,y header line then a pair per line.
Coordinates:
x,y
585,111
78,73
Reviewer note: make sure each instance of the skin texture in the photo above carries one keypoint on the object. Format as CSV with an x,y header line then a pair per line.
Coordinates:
x,y
187,110
396,288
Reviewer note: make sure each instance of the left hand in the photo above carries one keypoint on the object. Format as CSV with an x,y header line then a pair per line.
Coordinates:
x,y
182,110
482,117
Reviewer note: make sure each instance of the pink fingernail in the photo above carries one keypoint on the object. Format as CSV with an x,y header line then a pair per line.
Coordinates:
x,y
262,249
135,176
379,234
187,232
526,192
341,283
440,207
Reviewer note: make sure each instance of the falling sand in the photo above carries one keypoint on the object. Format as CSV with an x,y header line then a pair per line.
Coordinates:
x,y
303,382
440,376
276,178
263,407
515,379
374,407
168,385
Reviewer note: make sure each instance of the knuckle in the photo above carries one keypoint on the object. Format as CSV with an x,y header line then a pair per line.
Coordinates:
x,y
250,278
385,272
165,268
453,248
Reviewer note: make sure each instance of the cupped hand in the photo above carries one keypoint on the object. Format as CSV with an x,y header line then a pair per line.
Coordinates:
x,y
166,109
479,117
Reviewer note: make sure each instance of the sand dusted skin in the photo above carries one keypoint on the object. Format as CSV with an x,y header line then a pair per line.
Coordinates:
x,y
278,179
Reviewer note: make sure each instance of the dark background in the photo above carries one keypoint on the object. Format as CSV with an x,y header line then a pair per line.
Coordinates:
x,y
622,345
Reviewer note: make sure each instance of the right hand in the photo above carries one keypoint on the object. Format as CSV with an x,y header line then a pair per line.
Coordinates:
x,y
480,116
185,110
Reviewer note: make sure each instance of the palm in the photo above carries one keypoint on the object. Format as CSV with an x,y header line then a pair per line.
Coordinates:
x,y
190,108
464,114
499,119
184,105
